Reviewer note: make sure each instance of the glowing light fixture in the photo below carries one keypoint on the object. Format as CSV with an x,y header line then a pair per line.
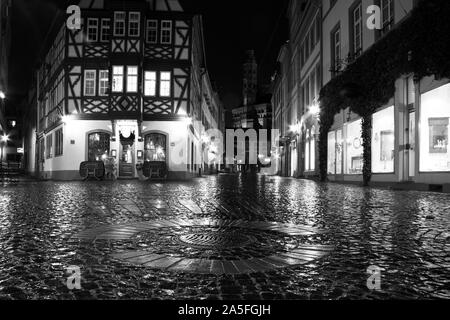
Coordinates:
x,y
314,109
2,95
65,119
5,138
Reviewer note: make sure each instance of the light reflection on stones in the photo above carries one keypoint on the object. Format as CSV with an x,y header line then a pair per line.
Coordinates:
x,y
376,227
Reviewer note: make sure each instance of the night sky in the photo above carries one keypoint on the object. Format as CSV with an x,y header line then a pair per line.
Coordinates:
x,y
231,27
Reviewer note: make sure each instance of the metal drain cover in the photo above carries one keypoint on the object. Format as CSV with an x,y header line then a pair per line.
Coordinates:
x,y
219,239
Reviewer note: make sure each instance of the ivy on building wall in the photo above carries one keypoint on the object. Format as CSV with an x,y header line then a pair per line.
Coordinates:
x,y
420,46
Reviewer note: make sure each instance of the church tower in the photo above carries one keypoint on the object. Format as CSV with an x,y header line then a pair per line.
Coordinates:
x,y
250,78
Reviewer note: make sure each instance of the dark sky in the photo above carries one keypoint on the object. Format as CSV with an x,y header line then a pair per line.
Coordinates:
x,y
231,27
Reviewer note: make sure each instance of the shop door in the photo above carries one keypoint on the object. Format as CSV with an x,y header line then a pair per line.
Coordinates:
x,y
126,162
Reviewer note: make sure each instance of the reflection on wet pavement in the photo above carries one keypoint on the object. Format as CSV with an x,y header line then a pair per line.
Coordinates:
x,y
222,237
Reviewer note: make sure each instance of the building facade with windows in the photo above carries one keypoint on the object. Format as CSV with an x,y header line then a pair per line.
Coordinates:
x,y
297,84
127,88
282,113
409,134
5,48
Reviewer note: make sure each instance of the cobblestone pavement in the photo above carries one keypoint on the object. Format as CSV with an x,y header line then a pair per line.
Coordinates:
x,y
222,237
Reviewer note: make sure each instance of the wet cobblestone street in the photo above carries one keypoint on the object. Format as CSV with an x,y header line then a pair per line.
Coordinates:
x,y
222,237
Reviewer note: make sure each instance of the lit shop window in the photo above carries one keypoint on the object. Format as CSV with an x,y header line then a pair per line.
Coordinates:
x,y
434,130
339,151
307,145
155,147
98,146
150,84
117,85
332,152
335,152
354,149
132,79
310,154
164,89
383,141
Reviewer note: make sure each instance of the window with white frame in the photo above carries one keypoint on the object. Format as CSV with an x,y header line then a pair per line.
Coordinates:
x,y
150,83
132,79
134,24
152,31
166,32
165,84
357,29
103,84
119,23
89,82
105,30
387,13
92,30
117,84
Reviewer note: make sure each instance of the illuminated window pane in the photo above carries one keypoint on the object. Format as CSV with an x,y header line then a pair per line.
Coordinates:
x,y
155,147
132,79
98,146
165,84
383,141
117,85
150,83
332,152
434,130
89,83
354,149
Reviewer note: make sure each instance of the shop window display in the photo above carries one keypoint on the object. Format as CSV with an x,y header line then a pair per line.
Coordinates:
x,y
434,130
354,149
383,141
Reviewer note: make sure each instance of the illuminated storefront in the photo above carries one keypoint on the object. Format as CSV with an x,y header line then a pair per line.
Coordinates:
x,y
434,130
383,141
345,151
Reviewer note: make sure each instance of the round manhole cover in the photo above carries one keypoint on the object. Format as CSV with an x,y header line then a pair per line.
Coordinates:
x,y
219,239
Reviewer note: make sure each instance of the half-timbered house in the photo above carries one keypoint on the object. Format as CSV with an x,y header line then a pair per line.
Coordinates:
x,y
125,88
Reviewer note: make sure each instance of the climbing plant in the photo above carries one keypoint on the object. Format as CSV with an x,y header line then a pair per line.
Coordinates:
x,y
420,45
